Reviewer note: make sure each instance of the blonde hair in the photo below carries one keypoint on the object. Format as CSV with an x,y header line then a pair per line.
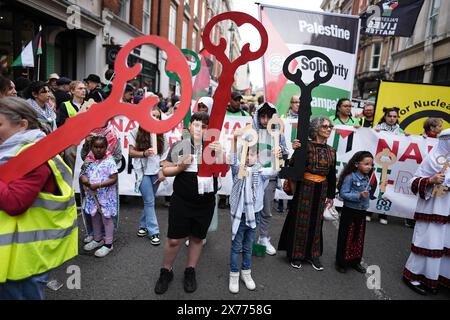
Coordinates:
x,y
74,84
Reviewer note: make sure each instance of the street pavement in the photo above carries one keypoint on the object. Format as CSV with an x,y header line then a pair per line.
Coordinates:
x,y
131,270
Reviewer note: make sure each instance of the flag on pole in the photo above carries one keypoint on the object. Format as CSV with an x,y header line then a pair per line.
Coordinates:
x,y
202,80
26,57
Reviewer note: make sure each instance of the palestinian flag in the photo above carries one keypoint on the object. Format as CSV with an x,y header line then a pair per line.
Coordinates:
x,y
202,80
32,49
201,85
292,30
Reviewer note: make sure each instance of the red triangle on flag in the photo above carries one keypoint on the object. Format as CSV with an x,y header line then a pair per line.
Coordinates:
x,y
276,54
344,133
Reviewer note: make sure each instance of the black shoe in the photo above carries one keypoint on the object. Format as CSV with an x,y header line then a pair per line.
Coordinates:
x,y
142,232
410,223
222,204
316,264
340,269
419,288
358,267
433,291
190,284
162,284
154,240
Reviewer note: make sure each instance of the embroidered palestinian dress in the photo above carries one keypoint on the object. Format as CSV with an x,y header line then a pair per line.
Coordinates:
x,y
301,236
429,261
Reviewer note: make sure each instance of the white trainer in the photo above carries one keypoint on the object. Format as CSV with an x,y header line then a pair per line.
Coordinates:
x,y
93,245
88,239
103,251
368,218
270,250
234,282
383,221
187,242
246,276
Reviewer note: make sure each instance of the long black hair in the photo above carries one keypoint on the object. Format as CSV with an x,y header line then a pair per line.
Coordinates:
x,y
351,166
338,106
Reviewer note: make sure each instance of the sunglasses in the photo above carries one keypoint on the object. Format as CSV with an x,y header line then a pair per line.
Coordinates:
x,y
327,127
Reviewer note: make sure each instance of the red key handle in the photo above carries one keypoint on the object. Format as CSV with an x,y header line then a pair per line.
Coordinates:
x,y
222,95
77,128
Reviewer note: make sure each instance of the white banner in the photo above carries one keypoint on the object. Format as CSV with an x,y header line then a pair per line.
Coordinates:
x,y
409,151
397,200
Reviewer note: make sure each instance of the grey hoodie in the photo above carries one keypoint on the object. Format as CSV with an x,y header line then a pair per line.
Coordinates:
x,y
265,140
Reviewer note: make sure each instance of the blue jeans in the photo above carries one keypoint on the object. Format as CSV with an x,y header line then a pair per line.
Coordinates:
x,y
31,288
148,219
243,242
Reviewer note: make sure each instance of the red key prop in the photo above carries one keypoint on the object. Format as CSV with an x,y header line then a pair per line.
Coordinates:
x,y
222,95
77,128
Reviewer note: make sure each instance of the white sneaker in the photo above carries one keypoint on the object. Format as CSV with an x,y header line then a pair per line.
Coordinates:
x,y
368,218
270,250
103,251
246,276
234,282
187,242
88,239
93,245
383,221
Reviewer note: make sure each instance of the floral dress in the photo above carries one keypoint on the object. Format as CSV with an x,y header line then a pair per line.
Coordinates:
x,y
100,171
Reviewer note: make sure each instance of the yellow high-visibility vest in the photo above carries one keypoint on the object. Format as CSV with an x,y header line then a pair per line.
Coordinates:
x,y
43,237
71,111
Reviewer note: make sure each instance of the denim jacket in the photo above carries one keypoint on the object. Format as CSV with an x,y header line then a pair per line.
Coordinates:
x,y
351,187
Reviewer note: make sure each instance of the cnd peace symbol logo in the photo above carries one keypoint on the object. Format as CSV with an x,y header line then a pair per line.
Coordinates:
x,y
276,64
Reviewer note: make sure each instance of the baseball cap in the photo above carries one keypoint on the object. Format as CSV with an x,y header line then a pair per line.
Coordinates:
x,y
235,95
93,77
63,80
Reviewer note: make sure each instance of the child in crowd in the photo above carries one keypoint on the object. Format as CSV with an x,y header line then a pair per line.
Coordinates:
x,y
263,114
99,179
146,164
353,186
191,206
246,203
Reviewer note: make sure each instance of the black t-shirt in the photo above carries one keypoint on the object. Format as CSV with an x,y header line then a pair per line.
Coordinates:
x,y
185,184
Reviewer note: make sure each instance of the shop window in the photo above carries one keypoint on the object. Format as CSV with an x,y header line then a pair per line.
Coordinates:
x,y
441,72
411,75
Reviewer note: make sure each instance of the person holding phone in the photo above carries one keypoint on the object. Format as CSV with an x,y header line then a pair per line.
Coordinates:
x,y
147,167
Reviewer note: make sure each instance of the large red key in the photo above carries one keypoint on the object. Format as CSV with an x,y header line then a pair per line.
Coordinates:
x,y
222,95
77,128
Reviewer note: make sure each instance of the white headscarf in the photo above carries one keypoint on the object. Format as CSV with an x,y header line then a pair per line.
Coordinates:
x,y
207,101
430,166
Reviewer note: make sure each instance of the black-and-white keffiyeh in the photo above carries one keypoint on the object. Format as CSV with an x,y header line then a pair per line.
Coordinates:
x,y
46,117
243,198
395,129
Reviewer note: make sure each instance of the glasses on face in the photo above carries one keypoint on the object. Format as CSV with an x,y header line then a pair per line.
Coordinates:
x,y
326,127
295,102
346,105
